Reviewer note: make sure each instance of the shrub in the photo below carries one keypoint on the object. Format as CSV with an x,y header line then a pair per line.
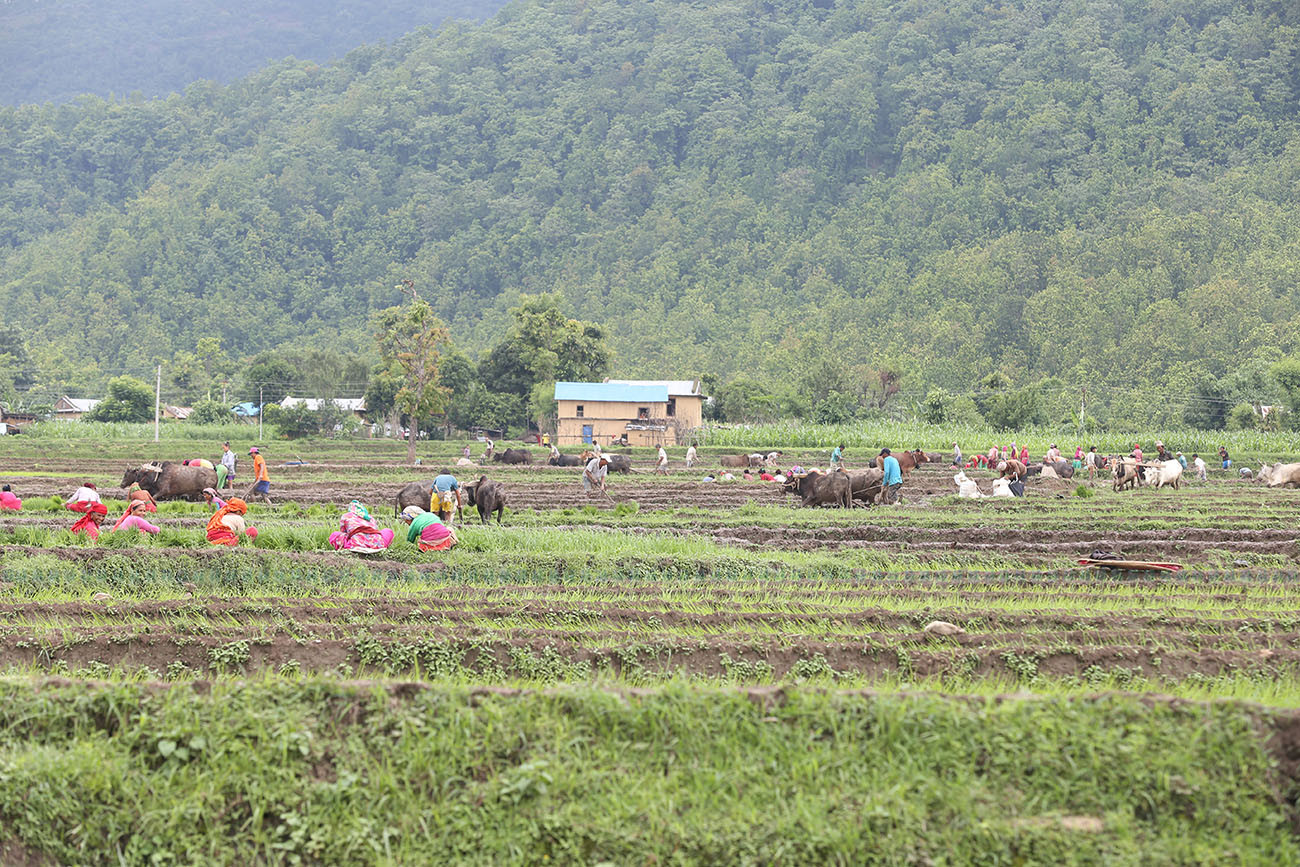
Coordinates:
x,y
211,412
1243,417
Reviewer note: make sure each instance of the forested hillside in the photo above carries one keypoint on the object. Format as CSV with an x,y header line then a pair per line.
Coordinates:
x,y
56,50
800,193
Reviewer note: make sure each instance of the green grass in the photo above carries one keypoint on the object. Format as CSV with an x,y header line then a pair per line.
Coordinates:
x,y
282,771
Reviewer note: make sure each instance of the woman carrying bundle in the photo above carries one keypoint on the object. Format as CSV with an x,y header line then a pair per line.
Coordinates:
x,y
133,518
357,529
427,530
227,525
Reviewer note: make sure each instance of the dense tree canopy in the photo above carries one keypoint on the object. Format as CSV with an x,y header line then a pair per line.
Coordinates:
x,y
1100,195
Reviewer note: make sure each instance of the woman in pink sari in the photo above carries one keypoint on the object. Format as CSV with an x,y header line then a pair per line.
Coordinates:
x,y
358,530
133,518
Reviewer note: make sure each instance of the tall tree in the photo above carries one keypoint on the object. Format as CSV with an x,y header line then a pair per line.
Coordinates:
x,y
410,341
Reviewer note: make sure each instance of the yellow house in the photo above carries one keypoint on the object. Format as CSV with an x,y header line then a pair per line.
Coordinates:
x,y
647,412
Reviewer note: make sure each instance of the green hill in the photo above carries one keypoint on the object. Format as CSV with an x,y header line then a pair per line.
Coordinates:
x,y
1103,193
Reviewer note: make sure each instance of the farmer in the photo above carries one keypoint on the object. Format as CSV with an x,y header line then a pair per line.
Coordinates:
x,y
211,498
137,494
357,529
546,440
92,513
226,468
956,455
198,462
594,474
444,495
1200,467
837,457
892,479
133,518
261,479
487,452
690,456
228,524
84,494
427,530
464,453
1182,461
1090,461
1225,461
9,500
661,465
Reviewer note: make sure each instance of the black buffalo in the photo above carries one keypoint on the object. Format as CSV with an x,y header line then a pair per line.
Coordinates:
x,y
567,461
513,456
170,480
415,494
488,496
619,463
822,489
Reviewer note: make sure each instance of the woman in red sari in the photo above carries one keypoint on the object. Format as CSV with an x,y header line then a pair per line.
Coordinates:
x,y
91,514
227,525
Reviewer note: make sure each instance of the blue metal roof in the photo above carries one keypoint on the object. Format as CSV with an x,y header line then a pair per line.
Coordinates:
x,y
610,391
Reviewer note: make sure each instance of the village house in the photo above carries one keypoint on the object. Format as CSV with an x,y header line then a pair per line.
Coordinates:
x,y
647,412
73,408
355,406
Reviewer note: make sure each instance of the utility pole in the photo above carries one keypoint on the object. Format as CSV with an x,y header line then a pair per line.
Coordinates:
x,y
157,402
259,413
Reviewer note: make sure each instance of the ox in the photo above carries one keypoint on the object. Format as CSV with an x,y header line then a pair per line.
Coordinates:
x,y
488,497
513,456
818,489
1125,472
1283,476
171,481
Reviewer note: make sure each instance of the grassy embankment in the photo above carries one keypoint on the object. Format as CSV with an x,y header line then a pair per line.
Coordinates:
x,y
332,773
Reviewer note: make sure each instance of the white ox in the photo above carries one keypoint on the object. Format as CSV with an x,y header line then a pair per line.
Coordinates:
x,y
1282,476
1164,473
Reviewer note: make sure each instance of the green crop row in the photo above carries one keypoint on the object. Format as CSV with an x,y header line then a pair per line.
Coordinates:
x,y
314,772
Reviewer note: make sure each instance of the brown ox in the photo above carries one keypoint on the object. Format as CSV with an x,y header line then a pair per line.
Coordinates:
x,y
907,461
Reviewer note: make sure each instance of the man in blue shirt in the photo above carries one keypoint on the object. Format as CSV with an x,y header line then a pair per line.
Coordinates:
x,y
837,457
892,480
445,495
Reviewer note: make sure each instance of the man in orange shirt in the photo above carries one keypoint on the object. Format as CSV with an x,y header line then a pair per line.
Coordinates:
x,y
261,479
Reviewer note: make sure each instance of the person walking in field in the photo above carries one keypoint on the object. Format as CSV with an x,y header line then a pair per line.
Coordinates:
x,y
892,480
593,476
1200,467
690,456
226,469
956,455
837,457
261,478
661,465
1090,461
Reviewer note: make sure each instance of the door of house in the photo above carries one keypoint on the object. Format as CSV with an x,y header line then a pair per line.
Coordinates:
x,y
586,434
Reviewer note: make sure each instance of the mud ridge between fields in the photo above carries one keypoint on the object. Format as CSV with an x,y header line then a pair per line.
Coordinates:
x,y
412,611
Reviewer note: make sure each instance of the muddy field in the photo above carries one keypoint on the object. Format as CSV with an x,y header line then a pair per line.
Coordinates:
x,y
999,570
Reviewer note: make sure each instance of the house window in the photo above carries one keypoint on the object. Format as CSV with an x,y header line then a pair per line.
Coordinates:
x,y
579,410
672,407
643,412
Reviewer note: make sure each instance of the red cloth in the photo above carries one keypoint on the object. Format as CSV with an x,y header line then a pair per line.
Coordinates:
x,y
440,545
90,512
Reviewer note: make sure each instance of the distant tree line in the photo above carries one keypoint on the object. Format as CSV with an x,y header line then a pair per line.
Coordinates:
x,y
832,208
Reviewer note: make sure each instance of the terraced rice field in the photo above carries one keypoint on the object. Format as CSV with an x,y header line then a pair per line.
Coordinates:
x,y
571,658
